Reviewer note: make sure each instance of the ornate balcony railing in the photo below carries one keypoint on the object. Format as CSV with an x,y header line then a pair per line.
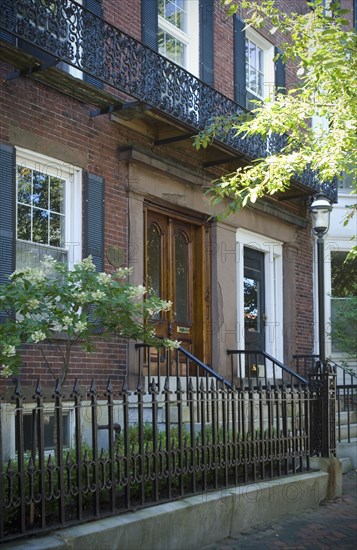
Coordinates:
x,y
77,37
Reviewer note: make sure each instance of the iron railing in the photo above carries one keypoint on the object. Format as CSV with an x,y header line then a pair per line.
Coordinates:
x,y
119,451
322,381
346,400
259,367
157,364
75,36
305,364
346,393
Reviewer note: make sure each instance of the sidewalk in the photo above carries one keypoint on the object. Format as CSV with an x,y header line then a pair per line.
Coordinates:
x,y
332,525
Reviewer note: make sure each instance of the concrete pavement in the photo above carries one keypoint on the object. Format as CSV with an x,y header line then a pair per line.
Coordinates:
x,y
332,525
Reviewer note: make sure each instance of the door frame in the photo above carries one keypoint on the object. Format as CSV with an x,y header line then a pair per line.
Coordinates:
x,y
273,275
201,267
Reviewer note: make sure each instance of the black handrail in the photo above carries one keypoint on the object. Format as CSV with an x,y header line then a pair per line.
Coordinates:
x,y
167,363
266,356
346,373
205,367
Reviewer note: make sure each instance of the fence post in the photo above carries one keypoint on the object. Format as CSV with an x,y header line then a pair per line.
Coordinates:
x,y
328,437
323,413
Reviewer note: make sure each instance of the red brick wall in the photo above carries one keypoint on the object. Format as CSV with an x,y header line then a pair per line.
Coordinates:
x,y
28,106
51,117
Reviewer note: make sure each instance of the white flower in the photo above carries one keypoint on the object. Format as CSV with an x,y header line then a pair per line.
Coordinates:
x,y
31,275
66,322
9,351
6,371
123,272
87,264
137,291
81,297
80,326
33,303
98,295
38,336
104,278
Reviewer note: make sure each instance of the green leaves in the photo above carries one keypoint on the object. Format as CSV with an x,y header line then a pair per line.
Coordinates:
x,y
324,55
60,307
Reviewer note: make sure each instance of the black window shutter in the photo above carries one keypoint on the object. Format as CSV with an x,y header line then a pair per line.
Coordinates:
x,y
7,214
240,92
280,84
94,6
207,41
9,19
149,23
94,219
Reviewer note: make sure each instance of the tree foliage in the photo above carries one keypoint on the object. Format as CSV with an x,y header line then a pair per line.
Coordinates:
x,y
57,308
324,52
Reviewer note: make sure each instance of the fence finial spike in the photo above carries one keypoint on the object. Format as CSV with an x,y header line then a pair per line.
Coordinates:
x,y
202,387
38,390
124,388
167,384
110,386
18,389
93,387
190,385
152,386
75,389
58,387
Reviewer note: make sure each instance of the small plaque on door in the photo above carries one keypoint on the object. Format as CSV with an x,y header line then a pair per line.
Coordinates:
x,y
183,330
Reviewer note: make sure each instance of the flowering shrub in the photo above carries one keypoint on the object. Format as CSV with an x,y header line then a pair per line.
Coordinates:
x,y
54,305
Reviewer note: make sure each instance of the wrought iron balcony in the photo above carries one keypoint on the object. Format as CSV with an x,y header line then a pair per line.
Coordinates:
x,y
72,35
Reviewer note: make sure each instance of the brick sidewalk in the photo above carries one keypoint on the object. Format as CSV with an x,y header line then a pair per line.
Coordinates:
x,y
332,525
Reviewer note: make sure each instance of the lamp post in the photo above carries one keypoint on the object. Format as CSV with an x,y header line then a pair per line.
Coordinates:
x,y
320,212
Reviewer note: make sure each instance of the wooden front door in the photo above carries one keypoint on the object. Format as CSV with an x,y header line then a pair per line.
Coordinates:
x,y
177,269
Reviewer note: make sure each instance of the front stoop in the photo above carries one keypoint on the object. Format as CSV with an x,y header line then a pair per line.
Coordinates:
x,y
192,522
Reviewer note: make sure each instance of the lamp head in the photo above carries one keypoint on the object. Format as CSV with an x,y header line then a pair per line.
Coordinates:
x,y
320,211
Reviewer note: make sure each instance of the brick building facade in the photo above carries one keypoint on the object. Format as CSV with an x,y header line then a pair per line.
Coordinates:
x,y
103,117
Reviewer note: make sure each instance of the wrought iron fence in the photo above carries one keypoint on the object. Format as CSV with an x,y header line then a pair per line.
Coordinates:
x,y
71,460
75,36
305,364
346,401
344,416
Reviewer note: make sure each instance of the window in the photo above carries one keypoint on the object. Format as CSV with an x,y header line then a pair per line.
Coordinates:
x,y
346,183
30,422
178,32
343,301
254,68
259,66
48,210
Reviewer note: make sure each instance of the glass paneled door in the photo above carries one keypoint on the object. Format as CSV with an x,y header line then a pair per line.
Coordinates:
x,y
254,304
177,270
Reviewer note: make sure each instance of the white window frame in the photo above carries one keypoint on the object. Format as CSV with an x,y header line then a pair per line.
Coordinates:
x,y
335,245
268,63
190,37
73,198
8,419
273,275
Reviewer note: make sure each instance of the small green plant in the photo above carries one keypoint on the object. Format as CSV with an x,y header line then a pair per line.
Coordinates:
x,y
61,307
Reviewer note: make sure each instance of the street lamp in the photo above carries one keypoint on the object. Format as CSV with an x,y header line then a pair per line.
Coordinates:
x,y
320,212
